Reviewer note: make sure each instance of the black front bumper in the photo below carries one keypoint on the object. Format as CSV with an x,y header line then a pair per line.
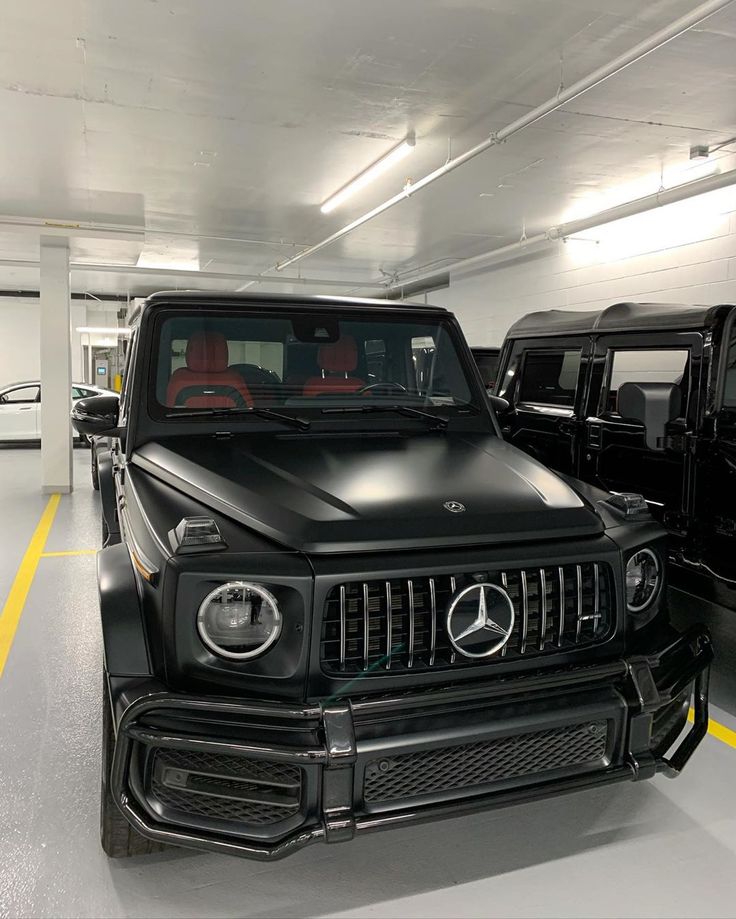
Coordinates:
x,y
262,779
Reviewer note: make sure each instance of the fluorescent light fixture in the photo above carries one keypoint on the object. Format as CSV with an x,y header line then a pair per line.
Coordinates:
x,y
370,174
103,330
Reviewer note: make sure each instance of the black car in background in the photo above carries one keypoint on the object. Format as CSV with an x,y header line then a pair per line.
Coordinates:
x,y
637,397
335,600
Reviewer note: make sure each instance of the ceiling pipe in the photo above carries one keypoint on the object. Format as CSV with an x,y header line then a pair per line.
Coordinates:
x,y
190,273
563,230
595,78
125,232
71,228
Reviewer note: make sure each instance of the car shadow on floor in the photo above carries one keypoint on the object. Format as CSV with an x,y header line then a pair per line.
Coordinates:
x,y
393,865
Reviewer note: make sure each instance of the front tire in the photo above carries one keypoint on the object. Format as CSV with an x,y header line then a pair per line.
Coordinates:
x,y
118,838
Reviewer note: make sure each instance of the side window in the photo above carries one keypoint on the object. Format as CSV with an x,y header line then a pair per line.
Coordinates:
x,y
729,389
488,366
23,395
550,378
646,366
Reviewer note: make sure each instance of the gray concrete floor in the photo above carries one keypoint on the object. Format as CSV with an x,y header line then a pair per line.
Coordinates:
x,y
659,848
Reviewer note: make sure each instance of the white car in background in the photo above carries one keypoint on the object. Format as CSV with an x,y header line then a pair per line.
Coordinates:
x,y
20,408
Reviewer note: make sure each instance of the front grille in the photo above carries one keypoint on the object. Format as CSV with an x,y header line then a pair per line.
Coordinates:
x,y
224,787
375,626
446,769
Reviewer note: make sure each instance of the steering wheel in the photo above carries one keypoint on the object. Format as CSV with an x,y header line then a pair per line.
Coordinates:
x,y
386,384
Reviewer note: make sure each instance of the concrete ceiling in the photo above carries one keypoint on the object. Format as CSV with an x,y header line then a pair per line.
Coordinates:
x,y
219,128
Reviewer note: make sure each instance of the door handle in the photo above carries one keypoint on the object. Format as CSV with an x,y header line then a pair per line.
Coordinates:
x,y
25,408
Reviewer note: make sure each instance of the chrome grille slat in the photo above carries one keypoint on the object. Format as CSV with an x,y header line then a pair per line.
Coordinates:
x,y
389,625
366,627
410,585
561,628
433,622
453,590
505,585
524,612
596,597
543,612
398,624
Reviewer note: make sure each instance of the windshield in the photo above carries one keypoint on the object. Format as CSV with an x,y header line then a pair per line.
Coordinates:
x,y
309,365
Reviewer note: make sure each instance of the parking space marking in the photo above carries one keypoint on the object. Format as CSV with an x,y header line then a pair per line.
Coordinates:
x,y
13,608
69,552
718,730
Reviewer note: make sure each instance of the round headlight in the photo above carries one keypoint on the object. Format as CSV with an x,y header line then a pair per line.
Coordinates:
x,y
239,620
643,572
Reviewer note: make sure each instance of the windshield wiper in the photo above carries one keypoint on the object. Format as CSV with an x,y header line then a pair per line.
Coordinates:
x,y
301,423
407,410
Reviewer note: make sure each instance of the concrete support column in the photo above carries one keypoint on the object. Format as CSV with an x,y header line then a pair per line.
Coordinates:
x,y
56,367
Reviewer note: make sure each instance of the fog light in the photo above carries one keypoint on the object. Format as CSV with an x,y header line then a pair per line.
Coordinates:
x,y
643,575
239,620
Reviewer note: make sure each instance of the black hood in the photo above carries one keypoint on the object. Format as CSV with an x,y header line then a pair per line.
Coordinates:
x,y
365,493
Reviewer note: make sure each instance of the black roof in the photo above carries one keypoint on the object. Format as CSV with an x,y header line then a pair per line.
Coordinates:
x,y
621,317
192,298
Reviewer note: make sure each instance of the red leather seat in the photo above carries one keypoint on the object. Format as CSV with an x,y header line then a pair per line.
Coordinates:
x,y
207,381
339,359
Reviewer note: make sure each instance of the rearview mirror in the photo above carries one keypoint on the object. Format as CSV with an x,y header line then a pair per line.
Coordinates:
x,y
653,404
96,415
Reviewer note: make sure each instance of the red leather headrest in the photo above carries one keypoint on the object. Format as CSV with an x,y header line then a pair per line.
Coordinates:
x,y
339,356
207,352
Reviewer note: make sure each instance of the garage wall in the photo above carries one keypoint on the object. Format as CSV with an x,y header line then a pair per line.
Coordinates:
x,y
20,345
684,255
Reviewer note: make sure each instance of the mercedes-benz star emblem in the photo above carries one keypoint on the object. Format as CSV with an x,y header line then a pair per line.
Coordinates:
x,y
454,507
480,620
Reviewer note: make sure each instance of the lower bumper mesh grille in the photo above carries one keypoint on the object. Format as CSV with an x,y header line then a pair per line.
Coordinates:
x,y
222,787
375,626
395,778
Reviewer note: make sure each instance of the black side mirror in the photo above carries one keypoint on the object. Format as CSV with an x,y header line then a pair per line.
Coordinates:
x,y
653,404
96,415
499,405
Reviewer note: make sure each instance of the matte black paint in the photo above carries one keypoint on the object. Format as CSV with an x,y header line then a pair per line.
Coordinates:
x,y
352,493
123,633
301,512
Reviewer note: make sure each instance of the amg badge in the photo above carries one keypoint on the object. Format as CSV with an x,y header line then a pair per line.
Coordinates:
x,y
480,620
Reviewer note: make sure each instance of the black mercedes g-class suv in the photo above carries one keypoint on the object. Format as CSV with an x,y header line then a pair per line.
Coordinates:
x,y
638,397
334,599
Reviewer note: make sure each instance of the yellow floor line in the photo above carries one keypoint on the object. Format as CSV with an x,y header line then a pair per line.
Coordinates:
x,y
69,552
11,612
719,731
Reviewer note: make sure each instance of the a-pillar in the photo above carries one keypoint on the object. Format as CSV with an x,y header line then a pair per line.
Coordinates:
x,y
56,367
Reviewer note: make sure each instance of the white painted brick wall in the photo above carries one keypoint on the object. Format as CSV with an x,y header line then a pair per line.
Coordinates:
x,y
700,267
20,348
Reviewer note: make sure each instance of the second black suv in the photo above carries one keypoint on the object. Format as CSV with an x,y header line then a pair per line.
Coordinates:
x,y
637,397
334,600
